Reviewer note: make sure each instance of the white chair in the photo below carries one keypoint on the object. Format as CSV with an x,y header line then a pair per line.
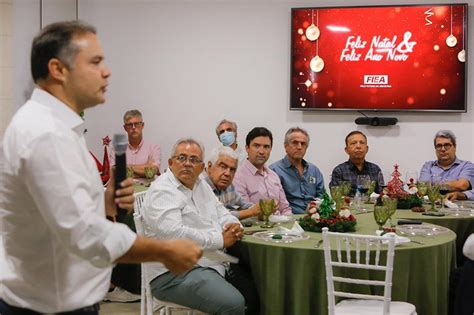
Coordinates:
x,y
353,256
146,303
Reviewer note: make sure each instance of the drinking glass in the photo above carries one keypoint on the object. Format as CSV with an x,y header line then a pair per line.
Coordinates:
x,y
372,186
267,206
443,190
337,195
150,172
380,216
346,188
433,195
130,172
391,204
363,185
422,187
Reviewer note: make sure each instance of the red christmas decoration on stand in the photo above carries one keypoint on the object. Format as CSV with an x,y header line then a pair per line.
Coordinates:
x,y
394,187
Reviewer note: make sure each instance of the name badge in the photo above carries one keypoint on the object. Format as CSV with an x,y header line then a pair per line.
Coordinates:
x,y
312,180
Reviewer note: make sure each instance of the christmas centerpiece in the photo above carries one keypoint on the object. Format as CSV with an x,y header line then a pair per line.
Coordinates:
x,y
322,213
406,199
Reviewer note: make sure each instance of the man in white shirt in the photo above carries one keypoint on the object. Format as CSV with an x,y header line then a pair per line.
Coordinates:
x,y
180,204
58,246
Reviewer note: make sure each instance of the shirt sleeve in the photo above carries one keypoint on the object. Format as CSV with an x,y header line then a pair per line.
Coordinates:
x,y
155,155
283,205
319,183
425,172
468,248
468,173
240,187
164,220
57,176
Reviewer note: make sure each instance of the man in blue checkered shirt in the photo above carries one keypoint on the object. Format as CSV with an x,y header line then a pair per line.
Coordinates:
x,y
356,148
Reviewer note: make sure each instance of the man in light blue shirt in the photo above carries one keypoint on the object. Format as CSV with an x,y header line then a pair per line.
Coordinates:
x,y
458,174
302,181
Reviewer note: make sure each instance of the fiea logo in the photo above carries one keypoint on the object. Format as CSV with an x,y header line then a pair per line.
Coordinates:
x,y
379,79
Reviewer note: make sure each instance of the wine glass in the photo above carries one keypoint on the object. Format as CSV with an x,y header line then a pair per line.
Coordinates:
x,y
346,188
371,190
391,204
130,172
381,215
150,172
433,195
443,190
363,185
422,187
337,195
267,206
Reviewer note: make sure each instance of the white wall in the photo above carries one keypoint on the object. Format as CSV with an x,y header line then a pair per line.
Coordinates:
x,y
188,64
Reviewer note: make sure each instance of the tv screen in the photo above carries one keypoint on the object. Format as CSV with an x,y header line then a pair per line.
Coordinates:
x,y
381,58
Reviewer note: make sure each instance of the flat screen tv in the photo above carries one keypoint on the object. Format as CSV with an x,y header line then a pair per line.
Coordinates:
x,y
379,58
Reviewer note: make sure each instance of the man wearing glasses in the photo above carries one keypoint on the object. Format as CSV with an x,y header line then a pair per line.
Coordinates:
x,y
181,204
140,153
456,173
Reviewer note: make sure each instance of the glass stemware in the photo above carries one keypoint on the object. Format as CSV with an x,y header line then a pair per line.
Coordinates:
x,y
443,190
150,172
433,195
371,190
422,187
130,172
391,204
346,188
337,195
267,206
381,215
363,185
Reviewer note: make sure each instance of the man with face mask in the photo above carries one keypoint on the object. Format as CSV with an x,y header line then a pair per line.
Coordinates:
x,y
226,131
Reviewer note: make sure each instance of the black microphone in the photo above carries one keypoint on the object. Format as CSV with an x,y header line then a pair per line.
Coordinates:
x,y
120,146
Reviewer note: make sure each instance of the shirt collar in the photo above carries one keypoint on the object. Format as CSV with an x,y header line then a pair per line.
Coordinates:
x,y
177,183
287,164
456,162
209,181
61,110
252,169
137,148
352,165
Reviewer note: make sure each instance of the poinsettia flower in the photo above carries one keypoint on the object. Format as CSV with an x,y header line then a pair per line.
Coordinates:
x,y
345,213
312,210
315,217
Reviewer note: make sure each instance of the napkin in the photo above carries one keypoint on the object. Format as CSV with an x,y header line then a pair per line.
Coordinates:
x,y
450,204
373,197
295,229
279,218
398,239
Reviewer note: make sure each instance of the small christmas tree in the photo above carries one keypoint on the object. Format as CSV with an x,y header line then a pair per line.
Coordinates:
x,y
395,185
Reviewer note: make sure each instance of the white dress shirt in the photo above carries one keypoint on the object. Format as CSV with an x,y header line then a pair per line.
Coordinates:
x,y
173,211
468,248
58,246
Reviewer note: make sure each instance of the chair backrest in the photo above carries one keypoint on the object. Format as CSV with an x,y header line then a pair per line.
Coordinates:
x,y
360,252
139,201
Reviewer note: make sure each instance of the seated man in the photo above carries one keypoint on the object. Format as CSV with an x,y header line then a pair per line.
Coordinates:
x,y
458,174
356,148
180,204
221,169
253,180
301,180
140,153
226,131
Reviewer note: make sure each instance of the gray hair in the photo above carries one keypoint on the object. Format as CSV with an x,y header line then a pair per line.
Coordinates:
x,y
187,141
222,151
293,130
223,121
448,134
131,113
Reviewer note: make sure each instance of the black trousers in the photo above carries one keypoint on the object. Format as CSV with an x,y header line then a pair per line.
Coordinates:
x,y
462,289
240,276
6,309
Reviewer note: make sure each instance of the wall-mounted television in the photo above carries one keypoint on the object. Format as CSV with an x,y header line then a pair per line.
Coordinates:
x,y
379,58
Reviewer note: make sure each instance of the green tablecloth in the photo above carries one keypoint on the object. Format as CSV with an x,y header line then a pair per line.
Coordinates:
x,y
291,278
462,226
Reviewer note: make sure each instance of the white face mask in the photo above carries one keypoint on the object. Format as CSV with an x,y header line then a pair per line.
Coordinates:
x,y
227,138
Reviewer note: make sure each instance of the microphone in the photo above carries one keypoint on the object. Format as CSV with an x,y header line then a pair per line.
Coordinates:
x,y
120,146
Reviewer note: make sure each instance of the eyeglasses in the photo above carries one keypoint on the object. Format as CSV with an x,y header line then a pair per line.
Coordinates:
x,y
192,159
133,125
446,146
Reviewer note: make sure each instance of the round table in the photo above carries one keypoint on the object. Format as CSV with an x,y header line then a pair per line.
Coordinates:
x,y
463,226
291,278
